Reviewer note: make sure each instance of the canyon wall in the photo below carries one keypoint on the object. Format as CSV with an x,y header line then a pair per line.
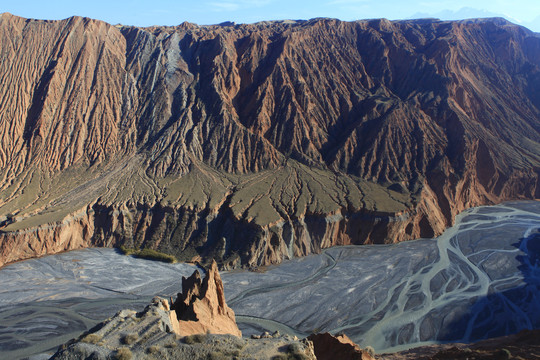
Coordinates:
x,y
255,143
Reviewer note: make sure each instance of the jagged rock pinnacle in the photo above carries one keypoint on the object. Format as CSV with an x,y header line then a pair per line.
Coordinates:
x,y
201,307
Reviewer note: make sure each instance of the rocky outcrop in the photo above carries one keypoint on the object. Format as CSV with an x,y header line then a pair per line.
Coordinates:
x,y
329,347
199,324
149,335
255,143
524,345
200,308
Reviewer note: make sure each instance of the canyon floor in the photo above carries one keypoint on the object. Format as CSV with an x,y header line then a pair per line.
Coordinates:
x,y
481,278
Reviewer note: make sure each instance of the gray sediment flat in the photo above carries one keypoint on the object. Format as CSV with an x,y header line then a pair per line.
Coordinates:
x,y
481,278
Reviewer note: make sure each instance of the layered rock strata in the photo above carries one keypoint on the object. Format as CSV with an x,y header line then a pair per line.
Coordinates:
x,y
255,143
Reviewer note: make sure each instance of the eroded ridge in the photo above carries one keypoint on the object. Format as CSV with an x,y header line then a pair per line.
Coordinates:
x,y
255,143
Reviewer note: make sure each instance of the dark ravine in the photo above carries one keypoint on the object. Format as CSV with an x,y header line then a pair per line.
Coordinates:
x,y
255,143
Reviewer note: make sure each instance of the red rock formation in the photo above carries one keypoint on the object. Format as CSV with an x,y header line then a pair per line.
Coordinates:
x,y
329,347
259,142
201,307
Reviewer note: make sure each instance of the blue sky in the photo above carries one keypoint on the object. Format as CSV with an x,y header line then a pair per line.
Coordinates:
x,y
170,12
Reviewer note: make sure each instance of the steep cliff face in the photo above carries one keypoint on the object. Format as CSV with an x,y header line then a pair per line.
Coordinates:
x,y
255,143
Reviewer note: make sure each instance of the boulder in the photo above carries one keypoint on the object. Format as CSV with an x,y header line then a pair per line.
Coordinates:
x,y
330,347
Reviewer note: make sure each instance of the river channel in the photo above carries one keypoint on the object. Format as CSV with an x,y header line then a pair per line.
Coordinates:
x,y
480,279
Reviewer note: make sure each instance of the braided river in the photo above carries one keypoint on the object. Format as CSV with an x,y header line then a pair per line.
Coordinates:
x,y
479,279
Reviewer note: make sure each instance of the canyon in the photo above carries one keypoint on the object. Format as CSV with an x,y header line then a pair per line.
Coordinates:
x,y
256,143
478,280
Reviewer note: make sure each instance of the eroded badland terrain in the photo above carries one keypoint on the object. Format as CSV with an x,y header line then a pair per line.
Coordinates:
x,y
255,143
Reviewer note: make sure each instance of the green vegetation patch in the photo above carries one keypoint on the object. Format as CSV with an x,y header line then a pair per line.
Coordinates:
x,y
195,339
218,356
123,354
293,352
154,349
130,339
91,339
149,254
